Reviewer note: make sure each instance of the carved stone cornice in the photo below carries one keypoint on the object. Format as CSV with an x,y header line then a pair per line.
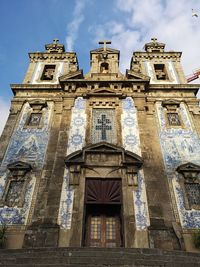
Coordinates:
x,y
67,56
131,74
178,87
157,55
71,75
22,87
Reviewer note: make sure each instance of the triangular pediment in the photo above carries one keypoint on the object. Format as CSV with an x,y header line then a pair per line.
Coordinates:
x,y
130,74
170,102
131,157
127,157
103,90
103,146
19,165
101,50
72,75
188,167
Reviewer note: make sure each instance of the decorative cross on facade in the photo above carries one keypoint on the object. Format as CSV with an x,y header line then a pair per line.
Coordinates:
x,y
104,42
154,39
103,126
55,41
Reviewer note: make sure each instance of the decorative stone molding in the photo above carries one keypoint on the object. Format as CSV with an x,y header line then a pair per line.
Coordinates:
x,y
171,104
69,56
96,155
37,104
167,55
190,171
190,185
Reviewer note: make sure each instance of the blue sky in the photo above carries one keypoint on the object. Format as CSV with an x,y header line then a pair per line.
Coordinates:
x,y
27,25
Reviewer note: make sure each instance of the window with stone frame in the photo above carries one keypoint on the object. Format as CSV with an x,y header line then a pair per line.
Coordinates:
x,y
173,119
48,72
103,125
160,72
35,116
34,119
190,183
172,114
16,185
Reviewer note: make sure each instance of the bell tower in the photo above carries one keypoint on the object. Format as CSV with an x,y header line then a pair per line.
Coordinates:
x,y
104,62
46,67
161,66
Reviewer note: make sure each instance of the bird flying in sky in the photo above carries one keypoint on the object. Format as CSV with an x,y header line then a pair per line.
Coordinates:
x,y
194,14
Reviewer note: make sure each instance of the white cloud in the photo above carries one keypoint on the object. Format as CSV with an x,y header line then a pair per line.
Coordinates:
x,y
170,21
74,25
4,111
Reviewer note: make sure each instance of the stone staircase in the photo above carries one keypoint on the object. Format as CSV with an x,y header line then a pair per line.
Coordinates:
x,y
100,257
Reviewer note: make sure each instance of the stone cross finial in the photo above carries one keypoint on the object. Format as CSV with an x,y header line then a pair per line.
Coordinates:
x,y
104,42
154,39
55,41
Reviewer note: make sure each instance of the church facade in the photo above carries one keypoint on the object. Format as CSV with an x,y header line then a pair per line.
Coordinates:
x,y
104,159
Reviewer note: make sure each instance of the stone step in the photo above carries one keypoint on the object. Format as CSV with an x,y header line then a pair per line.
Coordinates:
x,y
90,257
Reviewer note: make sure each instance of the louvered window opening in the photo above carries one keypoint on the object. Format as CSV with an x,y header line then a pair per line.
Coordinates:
x,y
103,191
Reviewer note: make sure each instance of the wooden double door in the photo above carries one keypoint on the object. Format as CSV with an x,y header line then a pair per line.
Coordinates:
x,y
103,220
103,226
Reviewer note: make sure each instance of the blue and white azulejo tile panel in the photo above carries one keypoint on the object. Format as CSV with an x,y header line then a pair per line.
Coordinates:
x,y
131,142
76,141
66,203
27,145
15,215
179,146
130,131
77,127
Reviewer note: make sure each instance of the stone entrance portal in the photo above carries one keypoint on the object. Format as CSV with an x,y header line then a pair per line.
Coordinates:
x,y
103,177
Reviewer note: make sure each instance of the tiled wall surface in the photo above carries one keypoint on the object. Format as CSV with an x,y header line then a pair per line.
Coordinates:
x,y
27,145
75,142
179,145
131,142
